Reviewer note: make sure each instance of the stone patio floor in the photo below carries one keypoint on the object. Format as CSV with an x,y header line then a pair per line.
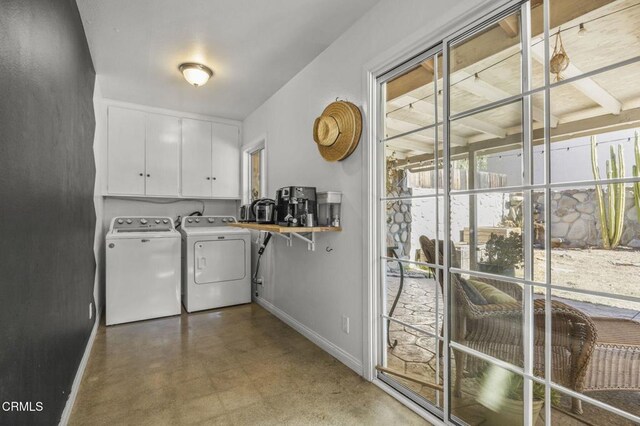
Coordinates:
x,y
420,305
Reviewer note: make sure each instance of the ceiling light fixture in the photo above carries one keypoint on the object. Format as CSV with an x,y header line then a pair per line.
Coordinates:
x,y
196,74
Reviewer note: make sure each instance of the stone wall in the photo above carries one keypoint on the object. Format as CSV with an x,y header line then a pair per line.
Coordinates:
x,y
575,221
399,223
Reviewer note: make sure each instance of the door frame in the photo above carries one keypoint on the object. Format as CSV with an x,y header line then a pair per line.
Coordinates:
x,y
373,228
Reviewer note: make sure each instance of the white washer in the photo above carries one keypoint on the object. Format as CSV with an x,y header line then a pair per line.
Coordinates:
x,y
216,263
142,269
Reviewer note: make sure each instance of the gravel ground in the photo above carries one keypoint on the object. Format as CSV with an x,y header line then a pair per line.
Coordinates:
x,y
606,271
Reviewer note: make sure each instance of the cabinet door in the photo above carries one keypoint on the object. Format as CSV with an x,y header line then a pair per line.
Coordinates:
x,y
226,161
196,158
125,157
163,155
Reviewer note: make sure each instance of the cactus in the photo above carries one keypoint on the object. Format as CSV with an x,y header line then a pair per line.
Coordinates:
x,y
636,174
611,215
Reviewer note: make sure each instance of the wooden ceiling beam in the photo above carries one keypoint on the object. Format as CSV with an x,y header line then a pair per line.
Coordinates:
x,y
483,126
479,87
492,42
428,65
427,108
410,145
400,127
627,119
587,85
411,80
510,25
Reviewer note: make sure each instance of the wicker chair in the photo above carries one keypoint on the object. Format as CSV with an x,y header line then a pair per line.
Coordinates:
x,y
496,330
615,362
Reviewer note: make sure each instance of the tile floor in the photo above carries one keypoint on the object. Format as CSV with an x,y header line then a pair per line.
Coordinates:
x,y
234,366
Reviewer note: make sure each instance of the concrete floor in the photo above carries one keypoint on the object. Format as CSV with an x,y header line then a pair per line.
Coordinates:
x,y
238,365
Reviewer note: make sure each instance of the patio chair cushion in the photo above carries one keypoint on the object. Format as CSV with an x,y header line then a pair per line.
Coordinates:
x,y
491,294
472,293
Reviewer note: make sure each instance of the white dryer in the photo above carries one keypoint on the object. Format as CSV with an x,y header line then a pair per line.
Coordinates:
x,y
216,259
142,269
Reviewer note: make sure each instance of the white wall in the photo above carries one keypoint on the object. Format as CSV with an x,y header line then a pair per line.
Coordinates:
x,y
317,288
98,201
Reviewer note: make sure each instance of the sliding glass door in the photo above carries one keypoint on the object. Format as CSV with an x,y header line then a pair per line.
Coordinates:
x,y
509,198
411,206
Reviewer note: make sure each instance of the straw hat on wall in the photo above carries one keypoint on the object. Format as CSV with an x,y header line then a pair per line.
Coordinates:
x,y
337,131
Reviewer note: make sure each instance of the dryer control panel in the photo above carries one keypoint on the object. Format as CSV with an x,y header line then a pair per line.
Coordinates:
x,y
141,224
207,221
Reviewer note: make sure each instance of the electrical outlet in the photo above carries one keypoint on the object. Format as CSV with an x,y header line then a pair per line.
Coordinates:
x,y
90,310
345,324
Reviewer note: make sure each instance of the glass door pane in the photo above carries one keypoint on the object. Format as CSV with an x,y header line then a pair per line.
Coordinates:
x,y
412,309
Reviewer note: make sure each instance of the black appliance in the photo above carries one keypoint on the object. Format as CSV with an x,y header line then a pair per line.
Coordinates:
x,y
263,210
260,211
296,206
247,214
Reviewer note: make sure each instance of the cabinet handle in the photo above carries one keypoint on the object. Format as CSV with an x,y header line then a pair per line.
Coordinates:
x,y
141,174
214,178
148,175
208,178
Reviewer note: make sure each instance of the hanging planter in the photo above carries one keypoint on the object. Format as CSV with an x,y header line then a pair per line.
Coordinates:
x,y
559,60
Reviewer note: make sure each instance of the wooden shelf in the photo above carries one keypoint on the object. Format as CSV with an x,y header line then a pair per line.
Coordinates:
x,y
289,233
269,227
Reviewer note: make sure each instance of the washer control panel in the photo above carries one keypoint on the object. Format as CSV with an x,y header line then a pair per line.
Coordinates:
x,y
207,221
142,224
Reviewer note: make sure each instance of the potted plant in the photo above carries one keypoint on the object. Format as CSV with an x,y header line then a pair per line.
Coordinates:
x,y
502,393
502,255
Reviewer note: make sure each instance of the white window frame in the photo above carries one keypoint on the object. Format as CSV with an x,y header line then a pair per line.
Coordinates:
x,y
247,150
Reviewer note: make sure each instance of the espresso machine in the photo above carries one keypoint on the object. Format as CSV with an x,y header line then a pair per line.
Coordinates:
x,y
296,206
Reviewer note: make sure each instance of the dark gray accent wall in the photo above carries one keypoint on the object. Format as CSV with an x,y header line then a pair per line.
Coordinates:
x,y
47,217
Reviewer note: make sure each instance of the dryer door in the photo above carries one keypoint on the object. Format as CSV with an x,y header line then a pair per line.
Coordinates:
x,y
219,260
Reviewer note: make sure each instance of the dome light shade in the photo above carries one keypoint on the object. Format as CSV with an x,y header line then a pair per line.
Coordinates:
x,y
195,74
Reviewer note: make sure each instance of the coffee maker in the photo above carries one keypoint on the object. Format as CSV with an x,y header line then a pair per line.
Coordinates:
x,y
296,206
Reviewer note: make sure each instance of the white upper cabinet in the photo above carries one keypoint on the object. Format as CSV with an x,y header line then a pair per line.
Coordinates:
x,y
196,158
162,169
225,152
125,159
165,156
210,159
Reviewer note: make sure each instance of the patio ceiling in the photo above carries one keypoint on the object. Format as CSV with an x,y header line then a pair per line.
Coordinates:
x,y
488,68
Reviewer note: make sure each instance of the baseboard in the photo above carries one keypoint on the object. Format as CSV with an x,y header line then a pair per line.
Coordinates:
x,y
342,356
68,408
